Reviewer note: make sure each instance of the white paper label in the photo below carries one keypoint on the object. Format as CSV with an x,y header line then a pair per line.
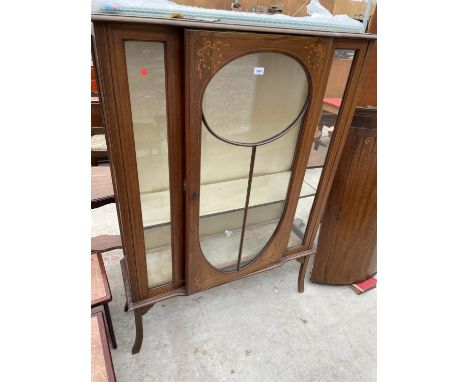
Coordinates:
x,y
258,71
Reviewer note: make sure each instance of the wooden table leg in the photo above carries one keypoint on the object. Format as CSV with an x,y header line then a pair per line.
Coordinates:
x,y
302,271
319,128
139,313
110,326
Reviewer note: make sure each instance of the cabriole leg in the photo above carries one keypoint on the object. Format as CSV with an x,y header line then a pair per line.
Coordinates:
x,y
138,331
139,327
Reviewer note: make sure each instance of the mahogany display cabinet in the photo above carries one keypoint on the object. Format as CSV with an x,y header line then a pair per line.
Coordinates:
x,y
212,133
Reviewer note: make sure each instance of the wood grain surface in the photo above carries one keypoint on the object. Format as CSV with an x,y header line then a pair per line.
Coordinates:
x,y
96,119
102,190
100,291
102,369
347,246
105,243
369,89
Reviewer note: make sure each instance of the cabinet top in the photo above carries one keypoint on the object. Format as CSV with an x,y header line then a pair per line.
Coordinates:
x,y
168,13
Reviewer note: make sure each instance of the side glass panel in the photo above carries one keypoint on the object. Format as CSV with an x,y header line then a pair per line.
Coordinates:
x,y
252,113
337,80
147,86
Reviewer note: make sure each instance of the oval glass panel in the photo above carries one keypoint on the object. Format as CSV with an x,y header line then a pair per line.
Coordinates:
x,y
243,189
255,97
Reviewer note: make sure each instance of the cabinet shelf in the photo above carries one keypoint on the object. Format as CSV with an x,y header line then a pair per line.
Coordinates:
x,y
229,196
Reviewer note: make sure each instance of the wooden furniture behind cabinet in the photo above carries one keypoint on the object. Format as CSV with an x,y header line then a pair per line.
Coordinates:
x,y
210,128
98,133
102,191
347,244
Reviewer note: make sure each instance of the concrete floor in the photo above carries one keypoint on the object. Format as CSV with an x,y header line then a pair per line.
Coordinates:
x,y
255,329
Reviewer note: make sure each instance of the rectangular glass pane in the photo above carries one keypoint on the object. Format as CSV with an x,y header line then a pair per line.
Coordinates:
x,y
337,80
147,86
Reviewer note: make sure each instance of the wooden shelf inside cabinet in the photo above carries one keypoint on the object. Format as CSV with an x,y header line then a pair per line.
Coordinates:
x,y
227,196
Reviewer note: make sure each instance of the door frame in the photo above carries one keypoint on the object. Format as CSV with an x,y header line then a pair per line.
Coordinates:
x,y
205,53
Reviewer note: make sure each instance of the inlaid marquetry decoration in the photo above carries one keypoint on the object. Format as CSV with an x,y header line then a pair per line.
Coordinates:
x,y
210,55
315,55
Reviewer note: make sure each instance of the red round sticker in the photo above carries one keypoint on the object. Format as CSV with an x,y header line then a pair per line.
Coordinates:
x,y
144,72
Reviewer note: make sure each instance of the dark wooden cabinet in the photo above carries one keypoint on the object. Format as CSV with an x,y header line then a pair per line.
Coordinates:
x,y
211,134
347,243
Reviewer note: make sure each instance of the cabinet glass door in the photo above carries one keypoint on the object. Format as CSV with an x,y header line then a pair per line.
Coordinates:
x,y
250,100
252,113
147,88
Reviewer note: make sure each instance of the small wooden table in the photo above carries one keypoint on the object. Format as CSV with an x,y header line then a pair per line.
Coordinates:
x,y
316,159
102,193
102,368
102,190
331,105
105,243
100,291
